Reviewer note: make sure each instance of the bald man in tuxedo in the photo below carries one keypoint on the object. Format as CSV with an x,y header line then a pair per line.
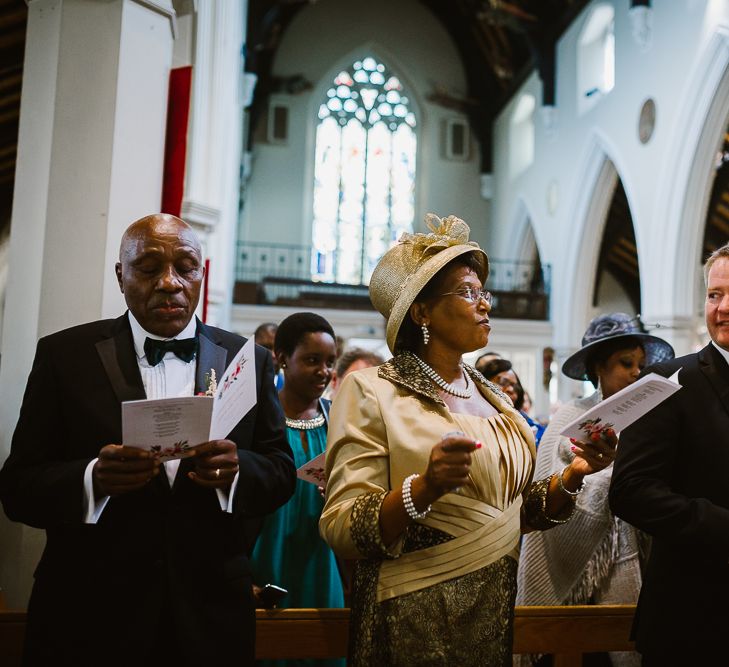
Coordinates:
x,y
146,563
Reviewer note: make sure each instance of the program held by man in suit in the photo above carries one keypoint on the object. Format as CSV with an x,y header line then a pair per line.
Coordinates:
x,y
145,562
671,479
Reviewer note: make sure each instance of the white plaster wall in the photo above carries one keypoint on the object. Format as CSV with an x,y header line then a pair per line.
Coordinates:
x,y
685,72
89,162
324,38
611,297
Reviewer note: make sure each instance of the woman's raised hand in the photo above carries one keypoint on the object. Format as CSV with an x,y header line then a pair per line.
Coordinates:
x,y
595,453
450,464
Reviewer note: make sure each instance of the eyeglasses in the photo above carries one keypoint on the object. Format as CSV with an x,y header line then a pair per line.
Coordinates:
x,y
505,383
473,295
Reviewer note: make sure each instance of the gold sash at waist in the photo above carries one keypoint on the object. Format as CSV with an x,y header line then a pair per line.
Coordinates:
x,y
483,534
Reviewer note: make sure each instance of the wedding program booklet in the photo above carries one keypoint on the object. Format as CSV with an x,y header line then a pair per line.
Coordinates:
x,y
171,427
313,471
623,407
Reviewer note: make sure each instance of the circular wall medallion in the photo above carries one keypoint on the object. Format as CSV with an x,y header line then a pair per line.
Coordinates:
x,y
647,121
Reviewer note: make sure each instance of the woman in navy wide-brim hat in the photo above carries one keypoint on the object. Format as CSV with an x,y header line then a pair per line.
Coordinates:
x,y
613,330
596,558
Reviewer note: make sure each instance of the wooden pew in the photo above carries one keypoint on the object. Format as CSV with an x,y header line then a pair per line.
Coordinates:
x,y
566,632
12,633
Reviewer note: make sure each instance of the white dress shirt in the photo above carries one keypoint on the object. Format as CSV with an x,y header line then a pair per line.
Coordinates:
x,y
170,378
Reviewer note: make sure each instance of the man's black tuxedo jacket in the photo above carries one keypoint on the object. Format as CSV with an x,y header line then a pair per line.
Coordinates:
x,y
671,479
100,589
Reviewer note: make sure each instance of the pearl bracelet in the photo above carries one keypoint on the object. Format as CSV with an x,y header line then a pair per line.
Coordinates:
x,y
560,484
407,499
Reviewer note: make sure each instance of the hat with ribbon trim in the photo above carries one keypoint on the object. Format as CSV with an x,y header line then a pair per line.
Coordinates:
x,y
405,269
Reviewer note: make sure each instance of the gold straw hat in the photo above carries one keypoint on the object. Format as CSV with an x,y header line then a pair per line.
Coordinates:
x,y
405,269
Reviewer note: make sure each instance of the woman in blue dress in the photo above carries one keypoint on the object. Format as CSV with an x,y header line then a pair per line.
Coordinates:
x,y
289,552
501,373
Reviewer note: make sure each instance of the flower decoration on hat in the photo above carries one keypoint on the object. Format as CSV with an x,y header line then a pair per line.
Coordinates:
x,y
405,269
445,232
605,329
611,326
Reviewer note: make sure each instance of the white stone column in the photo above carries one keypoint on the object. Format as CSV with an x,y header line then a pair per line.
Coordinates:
x,y
90,157
567,388
212,182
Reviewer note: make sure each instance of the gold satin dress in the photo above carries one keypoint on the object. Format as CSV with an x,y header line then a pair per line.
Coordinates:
x,y
444,594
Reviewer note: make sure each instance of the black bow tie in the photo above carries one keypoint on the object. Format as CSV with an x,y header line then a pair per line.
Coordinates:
x,y
156,349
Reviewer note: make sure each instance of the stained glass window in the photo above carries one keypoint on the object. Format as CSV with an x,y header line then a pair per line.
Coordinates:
x,y
364,177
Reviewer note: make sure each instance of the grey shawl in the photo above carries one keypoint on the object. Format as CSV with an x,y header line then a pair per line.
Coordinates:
x,y
569,564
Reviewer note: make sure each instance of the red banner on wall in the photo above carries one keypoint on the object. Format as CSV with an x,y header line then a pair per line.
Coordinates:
x,y
178,113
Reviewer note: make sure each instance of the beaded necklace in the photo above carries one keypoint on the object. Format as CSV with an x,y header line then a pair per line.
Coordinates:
x,y
306,424
445,386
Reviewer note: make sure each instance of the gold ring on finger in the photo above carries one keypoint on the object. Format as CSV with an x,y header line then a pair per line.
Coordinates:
x,y
217,472
601,456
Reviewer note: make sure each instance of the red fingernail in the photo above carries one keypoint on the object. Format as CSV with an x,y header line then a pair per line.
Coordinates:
x,y
573,440
478,444
574,449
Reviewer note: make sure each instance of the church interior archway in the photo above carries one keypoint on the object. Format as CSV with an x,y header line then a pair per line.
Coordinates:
x,y
617,277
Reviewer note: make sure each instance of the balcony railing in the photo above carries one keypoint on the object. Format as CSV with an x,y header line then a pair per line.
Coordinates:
x,y
281,274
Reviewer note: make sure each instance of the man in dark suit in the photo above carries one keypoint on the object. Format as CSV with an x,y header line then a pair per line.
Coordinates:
x,y
671,479
145,562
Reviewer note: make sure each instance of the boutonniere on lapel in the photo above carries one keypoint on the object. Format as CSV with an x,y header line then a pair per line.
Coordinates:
x,y
212,382
232,376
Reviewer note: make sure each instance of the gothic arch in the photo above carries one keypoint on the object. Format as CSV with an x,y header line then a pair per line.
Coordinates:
x,y
689,177
378,51
523,245
589,213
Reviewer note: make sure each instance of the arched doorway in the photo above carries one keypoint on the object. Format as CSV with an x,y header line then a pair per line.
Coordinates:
x,y
617,276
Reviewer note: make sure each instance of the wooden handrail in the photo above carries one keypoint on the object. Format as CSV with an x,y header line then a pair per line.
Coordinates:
x,y
562,631
568,632
565,632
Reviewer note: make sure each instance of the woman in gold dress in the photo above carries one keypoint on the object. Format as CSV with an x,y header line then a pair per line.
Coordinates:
x,y
430,470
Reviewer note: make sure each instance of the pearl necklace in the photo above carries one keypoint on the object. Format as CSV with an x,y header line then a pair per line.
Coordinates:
x,y
306,424
445,386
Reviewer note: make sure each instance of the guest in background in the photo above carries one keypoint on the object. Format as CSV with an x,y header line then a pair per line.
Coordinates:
x,y
501,373
353,359
484,359
264,335
526,403
289,552
596,558
431,514
340,345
